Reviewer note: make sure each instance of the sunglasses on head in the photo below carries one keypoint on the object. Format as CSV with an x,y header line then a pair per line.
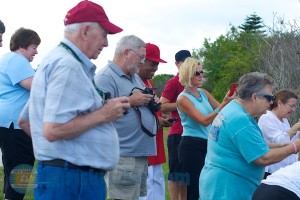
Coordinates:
x,y
268,97
197,73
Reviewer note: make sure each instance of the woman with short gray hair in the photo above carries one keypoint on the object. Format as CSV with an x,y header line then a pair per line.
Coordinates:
x,y
237,152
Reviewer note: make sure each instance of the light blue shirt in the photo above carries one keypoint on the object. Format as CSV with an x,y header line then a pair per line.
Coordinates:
x,y
191,127
133,141
14,68
234,142
61,91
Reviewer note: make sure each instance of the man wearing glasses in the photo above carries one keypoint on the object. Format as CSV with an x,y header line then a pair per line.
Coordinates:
x,y
135,129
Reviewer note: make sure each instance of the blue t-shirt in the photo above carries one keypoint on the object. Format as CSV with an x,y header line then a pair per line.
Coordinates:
x,y
234,142
14,68
190,126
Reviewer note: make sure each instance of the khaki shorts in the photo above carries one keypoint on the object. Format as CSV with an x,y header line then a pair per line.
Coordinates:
x,y
129,179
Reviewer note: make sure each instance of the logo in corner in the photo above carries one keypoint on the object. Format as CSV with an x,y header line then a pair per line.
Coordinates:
x,y
19,178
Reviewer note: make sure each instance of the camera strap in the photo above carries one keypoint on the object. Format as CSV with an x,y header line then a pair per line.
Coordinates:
x,y
142,125
103,94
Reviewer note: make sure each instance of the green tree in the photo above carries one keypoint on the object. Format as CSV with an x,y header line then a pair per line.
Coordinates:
x,y
253,24
228,58
160,82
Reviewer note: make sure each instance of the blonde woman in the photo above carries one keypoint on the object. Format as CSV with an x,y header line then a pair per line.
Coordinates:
x,y
197,109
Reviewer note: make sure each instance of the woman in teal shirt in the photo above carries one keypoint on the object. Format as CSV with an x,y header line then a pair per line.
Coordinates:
x,y
237,151
197,109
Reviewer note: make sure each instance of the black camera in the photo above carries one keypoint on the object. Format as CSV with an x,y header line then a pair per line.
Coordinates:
x,y
106,96
152,105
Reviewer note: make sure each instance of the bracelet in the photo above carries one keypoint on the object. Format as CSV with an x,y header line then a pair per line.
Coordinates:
x,y
295,148
217,110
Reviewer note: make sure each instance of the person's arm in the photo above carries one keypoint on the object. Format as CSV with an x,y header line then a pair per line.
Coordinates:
x,y
166,106
25,125
278,145
277,154
273,131
26,83
24,120
214,103
294,129
111,111
170,93
139,99
187,107
163,121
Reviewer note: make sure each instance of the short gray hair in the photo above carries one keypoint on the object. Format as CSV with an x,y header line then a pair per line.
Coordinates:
x,y
73,28
129,42
253,82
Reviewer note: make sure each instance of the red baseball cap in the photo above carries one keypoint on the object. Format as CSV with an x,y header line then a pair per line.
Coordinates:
x,y
88,11
153,53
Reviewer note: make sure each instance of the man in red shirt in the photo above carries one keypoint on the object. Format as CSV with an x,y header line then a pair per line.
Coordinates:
x,y
155,179
177,180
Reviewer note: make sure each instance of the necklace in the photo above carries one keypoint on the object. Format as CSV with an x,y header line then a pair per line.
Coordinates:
x,y
199,99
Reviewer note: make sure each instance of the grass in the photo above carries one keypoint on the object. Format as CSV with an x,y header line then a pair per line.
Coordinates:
x,y
166,164
29,193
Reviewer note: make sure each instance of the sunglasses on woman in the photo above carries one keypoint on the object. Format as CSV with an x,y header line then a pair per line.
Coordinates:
x,y
197,73
268,97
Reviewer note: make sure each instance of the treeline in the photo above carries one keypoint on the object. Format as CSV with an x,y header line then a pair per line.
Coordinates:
x,y
252,46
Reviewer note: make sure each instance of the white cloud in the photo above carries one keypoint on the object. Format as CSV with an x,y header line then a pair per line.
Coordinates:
x,y
170,24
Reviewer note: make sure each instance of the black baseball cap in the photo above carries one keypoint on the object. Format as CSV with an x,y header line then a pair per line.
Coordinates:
x,y
181,55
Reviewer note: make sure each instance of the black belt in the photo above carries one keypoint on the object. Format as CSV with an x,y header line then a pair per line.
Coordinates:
x,y
65,164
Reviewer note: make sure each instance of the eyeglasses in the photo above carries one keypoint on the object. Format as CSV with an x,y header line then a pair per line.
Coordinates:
x,y
197,73
142,58
268,97
292,106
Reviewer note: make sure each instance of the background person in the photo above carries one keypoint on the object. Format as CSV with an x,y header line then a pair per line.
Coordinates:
x,y
237,152
176,176
155,178
16,75
276,128
283,184
73,137
2,30
197,109
120,78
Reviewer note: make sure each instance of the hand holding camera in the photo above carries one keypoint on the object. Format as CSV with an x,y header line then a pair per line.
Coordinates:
x,y
144,97
115,108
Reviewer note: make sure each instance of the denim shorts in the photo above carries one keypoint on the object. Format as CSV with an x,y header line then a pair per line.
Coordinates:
x,y
129,179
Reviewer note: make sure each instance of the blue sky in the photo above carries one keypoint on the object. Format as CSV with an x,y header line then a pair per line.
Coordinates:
x,y
170,24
